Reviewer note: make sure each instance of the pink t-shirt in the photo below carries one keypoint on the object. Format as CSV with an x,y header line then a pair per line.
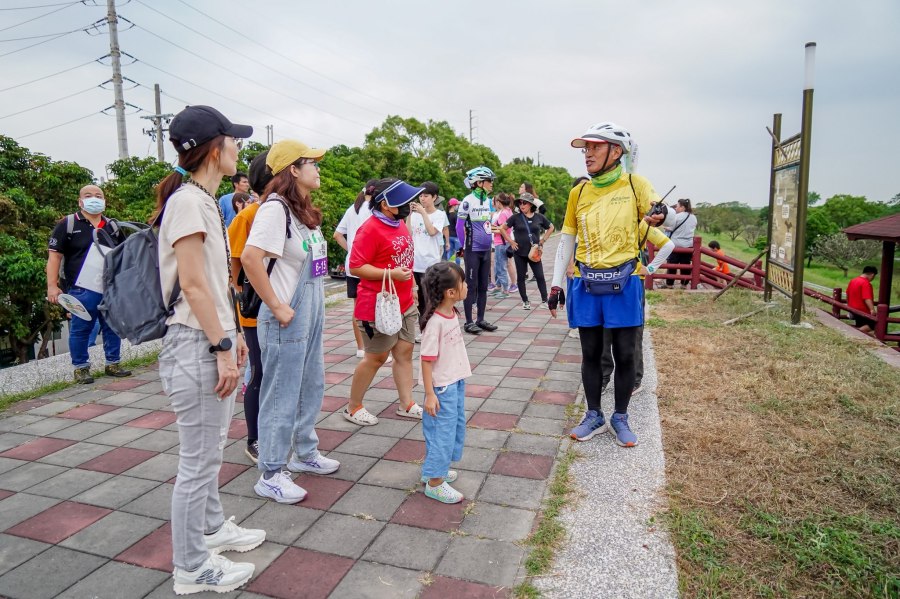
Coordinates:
x,y
498,219
443,345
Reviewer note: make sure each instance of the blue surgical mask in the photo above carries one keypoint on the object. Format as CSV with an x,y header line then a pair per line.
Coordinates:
x,y
94,205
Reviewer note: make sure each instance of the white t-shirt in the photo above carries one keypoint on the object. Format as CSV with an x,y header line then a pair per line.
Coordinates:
x,y
189,211
349,225
428,249
268,234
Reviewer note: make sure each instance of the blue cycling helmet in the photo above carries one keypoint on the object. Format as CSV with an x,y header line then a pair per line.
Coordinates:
x,y
479,173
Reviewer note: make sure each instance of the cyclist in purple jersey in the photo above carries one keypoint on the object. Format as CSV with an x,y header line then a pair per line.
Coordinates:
x,y
473,227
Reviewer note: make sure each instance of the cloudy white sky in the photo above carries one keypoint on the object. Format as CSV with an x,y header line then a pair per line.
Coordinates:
x,y
696,82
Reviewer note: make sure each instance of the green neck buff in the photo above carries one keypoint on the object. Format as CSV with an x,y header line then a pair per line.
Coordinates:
x,y
480,193
607,178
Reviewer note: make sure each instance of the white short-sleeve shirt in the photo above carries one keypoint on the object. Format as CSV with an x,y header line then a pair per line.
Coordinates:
x,y
268,234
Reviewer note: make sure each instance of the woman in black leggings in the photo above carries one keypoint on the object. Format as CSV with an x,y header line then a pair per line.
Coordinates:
x,y
529,229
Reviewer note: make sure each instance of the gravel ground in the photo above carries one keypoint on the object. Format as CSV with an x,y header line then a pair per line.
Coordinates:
x,y
614,547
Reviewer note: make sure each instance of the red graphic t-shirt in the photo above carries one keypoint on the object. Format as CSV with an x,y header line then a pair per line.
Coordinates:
x,y
382,246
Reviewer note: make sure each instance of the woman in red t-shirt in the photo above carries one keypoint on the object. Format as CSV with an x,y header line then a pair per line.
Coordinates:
x,y
383,243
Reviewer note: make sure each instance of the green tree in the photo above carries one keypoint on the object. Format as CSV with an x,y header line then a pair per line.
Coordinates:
x,y
846,210
35,192
817,225
131,192
813,198
839,251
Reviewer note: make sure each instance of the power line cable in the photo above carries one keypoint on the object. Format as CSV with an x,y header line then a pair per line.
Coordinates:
x,y
39,43
230,99
81,118
5,89
36,6
41,16
50,102
301,65
35,37
260,63
231,72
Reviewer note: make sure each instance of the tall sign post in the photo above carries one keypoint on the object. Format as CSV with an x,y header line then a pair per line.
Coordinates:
x,y
789,184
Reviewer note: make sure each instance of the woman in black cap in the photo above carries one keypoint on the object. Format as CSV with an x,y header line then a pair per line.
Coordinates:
x,y
202,349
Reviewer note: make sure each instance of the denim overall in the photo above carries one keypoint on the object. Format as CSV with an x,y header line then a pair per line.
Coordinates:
x,y
293,365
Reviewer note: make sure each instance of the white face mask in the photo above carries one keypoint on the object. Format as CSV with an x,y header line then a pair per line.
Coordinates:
x,y
94,205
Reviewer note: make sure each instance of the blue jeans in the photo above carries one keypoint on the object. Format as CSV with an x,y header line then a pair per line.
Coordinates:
x,y
454,247
446,432
501,274
80,331
189,374
293,385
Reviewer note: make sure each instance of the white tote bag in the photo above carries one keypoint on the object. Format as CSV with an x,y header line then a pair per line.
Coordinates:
x,y
388,319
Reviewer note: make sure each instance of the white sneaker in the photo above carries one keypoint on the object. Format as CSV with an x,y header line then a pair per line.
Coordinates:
x,y
280,488
232,537
543,306
318,465
360,353
443,493
526,306
217,574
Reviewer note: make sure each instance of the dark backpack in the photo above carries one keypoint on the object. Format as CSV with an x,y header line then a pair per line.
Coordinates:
x,y
132,302
249,301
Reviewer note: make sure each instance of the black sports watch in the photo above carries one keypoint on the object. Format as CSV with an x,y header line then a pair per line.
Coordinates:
x,y
223,345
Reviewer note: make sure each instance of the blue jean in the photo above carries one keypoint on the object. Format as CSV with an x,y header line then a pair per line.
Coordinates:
x,y
446,432
294,381
501,266
80,331
189,374
454,247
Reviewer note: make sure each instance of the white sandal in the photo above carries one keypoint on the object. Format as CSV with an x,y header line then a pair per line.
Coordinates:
x,y
415,411
362,417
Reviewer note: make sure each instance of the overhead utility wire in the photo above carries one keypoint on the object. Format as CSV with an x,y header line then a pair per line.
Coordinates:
x,y
301,65
260,63
41,16
6,89
81,118
231,71
230,99
49,103
37,6
39,43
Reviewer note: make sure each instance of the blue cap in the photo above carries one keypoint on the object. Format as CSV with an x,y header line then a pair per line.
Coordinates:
x,y
396,192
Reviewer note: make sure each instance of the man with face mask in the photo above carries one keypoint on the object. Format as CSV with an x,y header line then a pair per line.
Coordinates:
x,y
69,247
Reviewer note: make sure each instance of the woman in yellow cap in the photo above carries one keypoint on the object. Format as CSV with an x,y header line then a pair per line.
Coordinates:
x,y
285,260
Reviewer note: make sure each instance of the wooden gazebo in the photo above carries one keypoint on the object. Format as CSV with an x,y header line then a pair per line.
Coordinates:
x,y
887,231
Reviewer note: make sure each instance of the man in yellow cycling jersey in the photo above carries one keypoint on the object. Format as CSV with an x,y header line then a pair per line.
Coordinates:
x,y
603,215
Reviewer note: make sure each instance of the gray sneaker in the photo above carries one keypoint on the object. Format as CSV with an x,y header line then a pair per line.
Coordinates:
x,y
217,573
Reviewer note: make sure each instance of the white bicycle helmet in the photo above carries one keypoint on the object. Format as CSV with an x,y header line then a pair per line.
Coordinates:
x,y
479,173
605,132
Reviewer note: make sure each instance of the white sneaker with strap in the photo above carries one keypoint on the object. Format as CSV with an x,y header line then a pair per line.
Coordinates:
x,y
218,574
231,537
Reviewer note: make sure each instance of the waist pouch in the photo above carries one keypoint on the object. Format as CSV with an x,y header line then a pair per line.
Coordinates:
x,y
606,281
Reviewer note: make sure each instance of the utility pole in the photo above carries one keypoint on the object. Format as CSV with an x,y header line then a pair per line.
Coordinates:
x,y
115,55
270,135
539,158
158,129
471,126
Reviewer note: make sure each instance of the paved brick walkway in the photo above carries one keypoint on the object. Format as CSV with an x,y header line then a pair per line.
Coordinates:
x,y
86,477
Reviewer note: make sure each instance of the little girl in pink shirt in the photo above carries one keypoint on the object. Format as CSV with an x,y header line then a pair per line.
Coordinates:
x,y
445,366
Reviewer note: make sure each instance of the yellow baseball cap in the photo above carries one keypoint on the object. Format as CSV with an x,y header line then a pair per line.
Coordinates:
x,y
284,153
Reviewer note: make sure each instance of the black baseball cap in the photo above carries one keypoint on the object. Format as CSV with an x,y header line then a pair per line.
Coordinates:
x,y
196,125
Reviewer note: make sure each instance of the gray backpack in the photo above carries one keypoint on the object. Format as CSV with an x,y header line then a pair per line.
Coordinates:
x,y
133,303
